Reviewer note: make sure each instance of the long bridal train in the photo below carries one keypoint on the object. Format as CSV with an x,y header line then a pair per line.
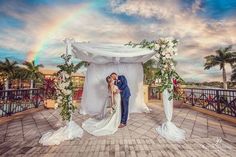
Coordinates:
x,y
108,125
68,132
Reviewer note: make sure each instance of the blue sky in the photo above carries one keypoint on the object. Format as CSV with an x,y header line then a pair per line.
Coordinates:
x,y
201,26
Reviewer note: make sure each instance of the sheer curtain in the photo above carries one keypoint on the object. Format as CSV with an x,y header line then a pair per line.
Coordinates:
x,y
95,92
168,128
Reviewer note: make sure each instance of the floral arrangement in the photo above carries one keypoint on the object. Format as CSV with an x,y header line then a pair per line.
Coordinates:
x,y
65,89
178,91
166,49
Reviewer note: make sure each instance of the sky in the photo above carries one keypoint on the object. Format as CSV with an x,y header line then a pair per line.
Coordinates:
x,y
35,29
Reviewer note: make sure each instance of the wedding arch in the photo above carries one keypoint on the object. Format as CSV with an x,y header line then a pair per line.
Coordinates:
x,y
105,58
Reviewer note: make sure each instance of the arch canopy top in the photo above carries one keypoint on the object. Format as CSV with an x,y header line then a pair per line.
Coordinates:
x,y
102,53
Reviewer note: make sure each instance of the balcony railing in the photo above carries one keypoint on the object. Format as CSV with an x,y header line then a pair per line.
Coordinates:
x,y
217,100
13,101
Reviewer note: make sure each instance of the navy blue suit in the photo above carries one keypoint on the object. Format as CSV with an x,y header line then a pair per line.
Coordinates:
x,y
122,84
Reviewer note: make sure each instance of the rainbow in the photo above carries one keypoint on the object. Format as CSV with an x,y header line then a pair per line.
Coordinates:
x,y
52,28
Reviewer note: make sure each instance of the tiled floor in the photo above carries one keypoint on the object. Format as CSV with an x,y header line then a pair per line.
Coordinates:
x,y
206,136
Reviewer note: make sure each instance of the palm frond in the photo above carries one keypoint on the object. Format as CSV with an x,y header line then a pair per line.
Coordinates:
x,y
233,76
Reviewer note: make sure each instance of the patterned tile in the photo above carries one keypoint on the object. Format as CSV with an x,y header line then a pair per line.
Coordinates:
x,y
206,136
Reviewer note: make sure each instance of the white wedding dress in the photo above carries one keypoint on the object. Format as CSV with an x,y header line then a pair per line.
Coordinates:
x,y
109,124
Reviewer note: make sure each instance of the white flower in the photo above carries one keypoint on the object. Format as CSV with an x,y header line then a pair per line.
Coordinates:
x,y
64,75
59,101
64,85
172,67
164,53
157,47
60,98
165,66
171,44
157,55
163,46
168,55
67,91
56,106
171,53
174,49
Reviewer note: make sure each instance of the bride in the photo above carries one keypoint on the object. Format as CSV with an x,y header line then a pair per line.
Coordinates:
x,y
109,124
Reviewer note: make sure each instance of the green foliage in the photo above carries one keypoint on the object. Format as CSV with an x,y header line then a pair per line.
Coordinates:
x,y
8,68
149,69
65,87
166,72
233,76
223,56
32,72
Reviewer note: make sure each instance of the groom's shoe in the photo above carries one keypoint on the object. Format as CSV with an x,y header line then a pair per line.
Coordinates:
x,y
121,125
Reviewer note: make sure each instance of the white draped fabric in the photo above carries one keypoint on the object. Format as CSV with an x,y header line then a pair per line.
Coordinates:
x,y
102,53
68,132
104,59
95,88
168,129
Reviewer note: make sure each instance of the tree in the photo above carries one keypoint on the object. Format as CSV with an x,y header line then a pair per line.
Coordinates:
x,y
233,76
8,70
20,74
32,72
149,69
223,56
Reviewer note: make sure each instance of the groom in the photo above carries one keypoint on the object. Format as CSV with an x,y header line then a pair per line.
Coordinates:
x,y
121,82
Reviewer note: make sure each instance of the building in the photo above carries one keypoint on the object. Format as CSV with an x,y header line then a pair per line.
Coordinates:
x,y
77,78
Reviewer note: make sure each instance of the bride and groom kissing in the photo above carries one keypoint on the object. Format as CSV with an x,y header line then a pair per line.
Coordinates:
x,y
119,93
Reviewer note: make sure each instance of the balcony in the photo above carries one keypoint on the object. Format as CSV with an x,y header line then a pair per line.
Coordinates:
x,y
206,135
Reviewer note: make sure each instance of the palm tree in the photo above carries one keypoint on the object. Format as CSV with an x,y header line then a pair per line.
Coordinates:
x,y
223,56
8,70
32,72
233,76
20,74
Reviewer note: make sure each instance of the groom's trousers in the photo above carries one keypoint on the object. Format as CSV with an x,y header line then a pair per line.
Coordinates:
x,y
124,109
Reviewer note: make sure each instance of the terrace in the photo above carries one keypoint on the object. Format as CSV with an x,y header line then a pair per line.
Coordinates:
x,y
206,135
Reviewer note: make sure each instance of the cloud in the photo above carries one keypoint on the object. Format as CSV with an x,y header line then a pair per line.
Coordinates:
x,y
196,6
147,8
199,36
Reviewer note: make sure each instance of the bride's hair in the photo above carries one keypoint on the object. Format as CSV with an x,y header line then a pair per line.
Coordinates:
x,y
108,79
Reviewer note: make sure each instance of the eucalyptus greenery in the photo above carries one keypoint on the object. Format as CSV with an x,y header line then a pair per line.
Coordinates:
x,y
65,88
165,49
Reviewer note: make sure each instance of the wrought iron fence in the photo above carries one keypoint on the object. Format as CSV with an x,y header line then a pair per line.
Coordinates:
x,y
217,100
13,101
